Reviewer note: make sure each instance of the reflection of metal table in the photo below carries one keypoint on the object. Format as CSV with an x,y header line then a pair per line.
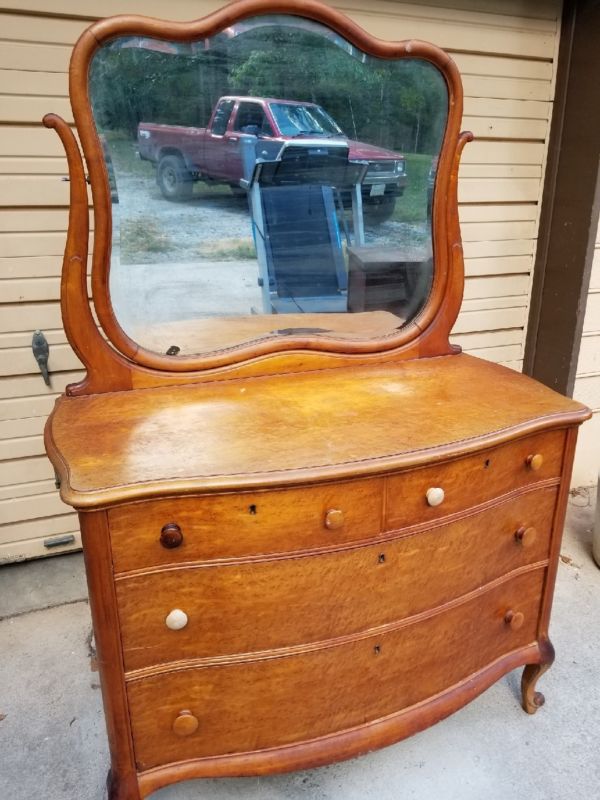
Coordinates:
x,y
387,278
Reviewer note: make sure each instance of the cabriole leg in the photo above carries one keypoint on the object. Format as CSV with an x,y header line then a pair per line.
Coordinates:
x,y
532,700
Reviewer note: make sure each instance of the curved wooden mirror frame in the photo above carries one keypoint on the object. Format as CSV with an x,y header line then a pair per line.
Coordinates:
x,y
125,363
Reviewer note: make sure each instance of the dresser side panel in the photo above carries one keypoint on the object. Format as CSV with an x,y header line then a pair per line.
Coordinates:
x,y
557,531
123,783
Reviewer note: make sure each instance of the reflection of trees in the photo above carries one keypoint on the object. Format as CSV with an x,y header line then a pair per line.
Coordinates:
x,y
129,86
397,104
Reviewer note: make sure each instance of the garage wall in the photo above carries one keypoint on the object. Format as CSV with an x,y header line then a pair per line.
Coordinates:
x,y
507,55
587,382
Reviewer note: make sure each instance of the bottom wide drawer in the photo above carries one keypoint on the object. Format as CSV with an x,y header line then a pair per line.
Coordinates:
x,y
294,696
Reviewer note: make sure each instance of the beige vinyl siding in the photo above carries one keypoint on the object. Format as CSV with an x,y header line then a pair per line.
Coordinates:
x,y
506,54
587,382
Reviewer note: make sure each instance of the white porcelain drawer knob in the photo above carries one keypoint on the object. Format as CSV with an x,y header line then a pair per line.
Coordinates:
x,y
176,619
435,496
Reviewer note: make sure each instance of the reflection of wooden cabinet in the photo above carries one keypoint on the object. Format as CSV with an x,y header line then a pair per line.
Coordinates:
x,y
385,278
299,549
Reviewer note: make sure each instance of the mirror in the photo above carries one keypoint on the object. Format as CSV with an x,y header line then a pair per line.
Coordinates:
x,y
269,181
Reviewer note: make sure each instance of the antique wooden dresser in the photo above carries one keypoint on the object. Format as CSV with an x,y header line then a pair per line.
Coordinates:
x,y
311,535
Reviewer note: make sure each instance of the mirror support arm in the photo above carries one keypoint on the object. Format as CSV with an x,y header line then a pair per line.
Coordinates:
x,y
99,359
453,300
436,337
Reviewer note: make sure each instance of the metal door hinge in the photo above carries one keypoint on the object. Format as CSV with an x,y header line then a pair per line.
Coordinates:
x,y
41,351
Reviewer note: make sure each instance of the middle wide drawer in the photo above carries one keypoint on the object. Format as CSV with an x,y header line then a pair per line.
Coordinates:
x,y
269,603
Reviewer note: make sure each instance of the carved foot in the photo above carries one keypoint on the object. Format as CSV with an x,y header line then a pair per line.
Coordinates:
x,y
532,700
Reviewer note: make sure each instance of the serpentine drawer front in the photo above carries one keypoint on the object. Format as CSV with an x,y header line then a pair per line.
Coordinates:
x,y
251,704
246,524
473,480
295,600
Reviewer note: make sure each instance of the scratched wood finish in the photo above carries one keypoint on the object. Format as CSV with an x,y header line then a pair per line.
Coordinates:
x,y
245,524
472,480
297,428
300,600
254,705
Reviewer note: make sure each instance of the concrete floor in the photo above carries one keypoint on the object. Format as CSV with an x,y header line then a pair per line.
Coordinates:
x,y
53,744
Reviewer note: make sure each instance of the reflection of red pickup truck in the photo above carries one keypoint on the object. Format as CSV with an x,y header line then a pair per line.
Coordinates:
x,y
183,154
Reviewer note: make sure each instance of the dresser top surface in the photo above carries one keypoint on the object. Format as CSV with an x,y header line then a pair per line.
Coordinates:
x,y
294,428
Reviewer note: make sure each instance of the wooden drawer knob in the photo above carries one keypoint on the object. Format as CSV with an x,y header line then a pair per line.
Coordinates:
x,y
176,619
171,535
534,461
514,620
526,536
185,724
435,496
334,519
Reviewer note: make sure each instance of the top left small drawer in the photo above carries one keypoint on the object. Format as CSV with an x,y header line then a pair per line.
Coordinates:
x,y
245,524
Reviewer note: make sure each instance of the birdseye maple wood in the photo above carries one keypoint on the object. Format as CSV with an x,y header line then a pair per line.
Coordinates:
x,y
300,550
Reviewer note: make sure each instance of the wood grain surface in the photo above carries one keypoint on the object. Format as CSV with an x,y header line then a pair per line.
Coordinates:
x,y
325,608
245,524
255,705
113,447
466,482
122,779
294,601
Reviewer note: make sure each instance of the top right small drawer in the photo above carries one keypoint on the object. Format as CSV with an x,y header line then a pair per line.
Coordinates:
x,y
450,487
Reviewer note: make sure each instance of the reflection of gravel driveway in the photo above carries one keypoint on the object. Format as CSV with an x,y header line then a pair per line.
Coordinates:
x,y
214,224
211,219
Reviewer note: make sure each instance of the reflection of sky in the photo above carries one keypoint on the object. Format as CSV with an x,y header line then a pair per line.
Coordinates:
x,y
297,23
233,31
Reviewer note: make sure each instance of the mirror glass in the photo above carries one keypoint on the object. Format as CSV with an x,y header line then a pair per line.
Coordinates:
x,y
269,181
